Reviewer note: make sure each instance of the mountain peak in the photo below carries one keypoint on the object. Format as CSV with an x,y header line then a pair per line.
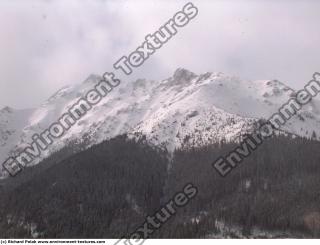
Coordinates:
x,y
181,111
183,74
93,78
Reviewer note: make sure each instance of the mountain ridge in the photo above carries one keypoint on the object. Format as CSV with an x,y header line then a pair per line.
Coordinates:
x,y
184,110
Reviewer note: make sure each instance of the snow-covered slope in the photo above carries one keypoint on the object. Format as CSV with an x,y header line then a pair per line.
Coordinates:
x,y
183,110
12,123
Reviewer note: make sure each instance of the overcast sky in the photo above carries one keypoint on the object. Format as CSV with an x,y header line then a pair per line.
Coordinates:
x,y
45,45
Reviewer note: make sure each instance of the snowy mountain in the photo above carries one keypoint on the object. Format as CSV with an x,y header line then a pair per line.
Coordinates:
x,y
183,110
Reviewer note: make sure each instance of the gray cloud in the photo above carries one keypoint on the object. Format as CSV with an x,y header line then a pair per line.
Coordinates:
x,y
46,45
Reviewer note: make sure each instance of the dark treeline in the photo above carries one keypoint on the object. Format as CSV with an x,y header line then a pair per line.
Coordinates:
x,y
275,188
89,195
107,191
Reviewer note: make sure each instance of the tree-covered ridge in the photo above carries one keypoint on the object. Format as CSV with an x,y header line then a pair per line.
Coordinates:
x,y
107,191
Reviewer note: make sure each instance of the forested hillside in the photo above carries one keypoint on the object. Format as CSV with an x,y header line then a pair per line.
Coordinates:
x,y
107,191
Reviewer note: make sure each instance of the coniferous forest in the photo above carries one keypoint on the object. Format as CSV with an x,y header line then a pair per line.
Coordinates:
x,y
106,191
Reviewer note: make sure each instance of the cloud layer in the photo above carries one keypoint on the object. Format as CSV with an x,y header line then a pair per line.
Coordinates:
x,y
48,44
